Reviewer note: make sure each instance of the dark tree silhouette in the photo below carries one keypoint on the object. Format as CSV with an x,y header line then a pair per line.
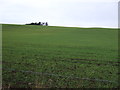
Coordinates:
x,y
46,23
40,23
31,23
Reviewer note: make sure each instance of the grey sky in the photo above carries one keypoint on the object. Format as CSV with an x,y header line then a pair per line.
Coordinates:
x,y
80,13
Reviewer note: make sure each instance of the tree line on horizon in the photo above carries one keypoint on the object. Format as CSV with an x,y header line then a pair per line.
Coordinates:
x,y
40,23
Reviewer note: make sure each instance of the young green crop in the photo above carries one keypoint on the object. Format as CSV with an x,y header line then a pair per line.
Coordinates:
x,y
62,53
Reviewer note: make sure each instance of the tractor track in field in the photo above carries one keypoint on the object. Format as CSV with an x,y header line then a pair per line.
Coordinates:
x,y
94,63
62,76
92,60
72,60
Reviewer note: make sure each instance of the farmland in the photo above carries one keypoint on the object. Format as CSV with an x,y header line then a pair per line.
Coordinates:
x,y
60,57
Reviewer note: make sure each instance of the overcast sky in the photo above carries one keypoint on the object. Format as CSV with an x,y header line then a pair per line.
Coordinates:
x,y
75,13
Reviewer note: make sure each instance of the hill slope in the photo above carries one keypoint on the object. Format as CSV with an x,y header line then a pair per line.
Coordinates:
x,y
90,53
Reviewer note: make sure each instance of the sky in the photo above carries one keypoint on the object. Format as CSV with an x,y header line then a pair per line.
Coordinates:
x,y
71,13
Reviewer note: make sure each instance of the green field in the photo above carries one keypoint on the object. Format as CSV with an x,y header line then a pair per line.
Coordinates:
x,y
61,57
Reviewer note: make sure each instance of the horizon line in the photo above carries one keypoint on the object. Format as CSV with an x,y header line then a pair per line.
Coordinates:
x,y
71,26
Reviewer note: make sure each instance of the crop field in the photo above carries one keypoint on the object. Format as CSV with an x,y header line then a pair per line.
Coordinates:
x,y
59,57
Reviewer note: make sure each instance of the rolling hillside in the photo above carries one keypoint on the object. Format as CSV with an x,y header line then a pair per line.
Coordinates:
x,y
51,56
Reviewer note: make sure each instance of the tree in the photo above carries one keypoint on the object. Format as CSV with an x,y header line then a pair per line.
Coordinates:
x,y
46,24
39,23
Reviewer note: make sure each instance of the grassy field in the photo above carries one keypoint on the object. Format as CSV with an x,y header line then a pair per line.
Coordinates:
x,y
61,57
